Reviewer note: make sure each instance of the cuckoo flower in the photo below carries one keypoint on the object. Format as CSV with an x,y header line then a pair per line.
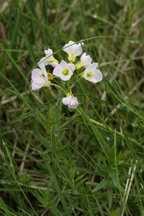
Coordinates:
x,y
64,70
92,73
39,78
85,61
73,50
48,59
70,101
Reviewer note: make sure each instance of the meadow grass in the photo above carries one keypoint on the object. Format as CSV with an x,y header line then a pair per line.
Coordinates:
x,y
58,162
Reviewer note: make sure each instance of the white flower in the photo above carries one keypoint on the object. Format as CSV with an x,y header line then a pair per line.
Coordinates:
x,y
85,61
70,101
73,50
64,70
92,74
39,78
48,59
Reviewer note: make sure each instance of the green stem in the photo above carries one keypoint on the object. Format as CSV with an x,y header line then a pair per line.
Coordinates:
x,y
52,84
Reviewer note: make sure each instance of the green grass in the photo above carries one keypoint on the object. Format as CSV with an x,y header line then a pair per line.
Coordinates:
x,y
57,162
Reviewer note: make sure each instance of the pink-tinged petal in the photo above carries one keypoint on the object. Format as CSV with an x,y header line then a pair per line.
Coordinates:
x,y
39,76
59,67
57,71
48,52
35,86
73,48
71,66
70,101
73,103
35,73
91,67
53,64
66,100
68,47
78,50
43,69
43,61
73,106
93,80
66,78
95,64
41,65
83,57
41,81
98,76
86,59
63,63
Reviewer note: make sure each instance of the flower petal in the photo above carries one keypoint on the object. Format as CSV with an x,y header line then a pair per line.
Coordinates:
x,y
43,61
39,76
73,48
63,63
66,100
35,73
66,78
98,76
86,59
70,101
48,52
71,66
68,47
59,70
53,64
78,49
92,74
35,86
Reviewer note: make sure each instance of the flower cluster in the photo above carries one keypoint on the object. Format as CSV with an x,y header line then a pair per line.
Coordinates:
x,y
65,70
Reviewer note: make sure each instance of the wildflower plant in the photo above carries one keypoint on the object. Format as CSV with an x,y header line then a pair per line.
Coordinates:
x,y
78,64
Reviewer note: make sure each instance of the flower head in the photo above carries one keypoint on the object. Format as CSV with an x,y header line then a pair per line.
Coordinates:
x,y
48,59
85,61
92,74
64,70
70,101
73,50
39,78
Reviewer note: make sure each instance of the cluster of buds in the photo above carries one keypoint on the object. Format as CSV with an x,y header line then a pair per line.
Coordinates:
x,y
64,70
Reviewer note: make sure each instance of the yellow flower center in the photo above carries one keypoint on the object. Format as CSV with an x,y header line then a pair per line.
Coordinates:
x,y
89,74
65,71
71,57
50,76
79,65
42,75
52,60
